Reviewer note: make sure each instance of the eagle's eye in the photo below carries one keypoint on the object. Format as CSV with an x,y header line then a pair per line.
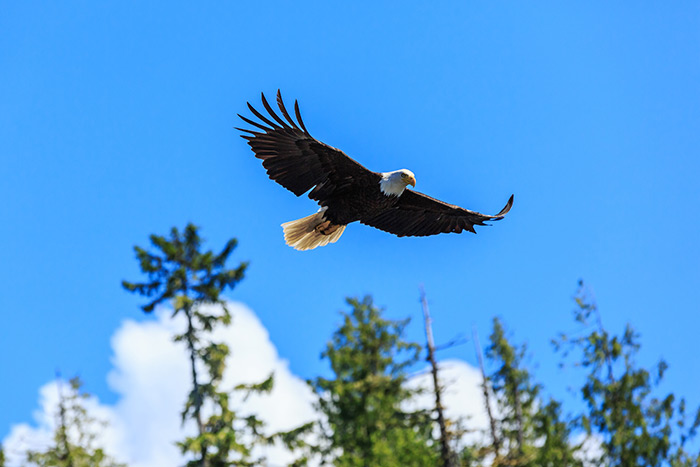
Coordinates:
x,y
404,175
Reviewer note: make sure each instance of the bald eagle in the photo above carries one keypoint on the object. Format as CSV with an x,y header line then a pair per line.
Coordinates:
x,y
345,190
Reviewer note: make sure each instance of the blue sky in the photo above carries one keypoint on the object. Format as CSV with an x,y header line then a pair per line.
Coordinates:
x,y
117,122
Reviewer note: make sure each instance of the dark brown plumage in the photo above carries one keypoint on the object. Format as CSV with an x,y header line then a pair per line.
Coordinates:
x,y
346,190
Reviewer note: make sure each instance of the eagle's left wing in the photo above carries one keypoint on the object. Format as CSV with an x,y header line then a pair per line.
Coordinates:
x,y
416,214
298,161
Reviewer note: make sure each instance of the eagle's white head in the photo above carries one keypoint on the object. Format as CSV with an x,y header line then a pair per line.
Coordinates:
x,y
393,183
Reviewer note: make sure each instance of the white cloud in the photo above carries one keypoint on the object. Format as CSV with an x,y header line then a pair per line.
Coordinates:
x,y
591,449
24,437
151,376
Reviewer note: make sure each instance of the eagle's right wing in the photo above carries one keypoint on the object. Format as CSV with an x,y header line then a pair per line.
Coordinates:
x,y
419,215
295,159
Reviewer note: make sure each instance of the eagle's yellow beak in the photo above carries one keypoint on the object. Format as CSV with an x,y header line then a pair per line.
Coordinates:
x,y
412,181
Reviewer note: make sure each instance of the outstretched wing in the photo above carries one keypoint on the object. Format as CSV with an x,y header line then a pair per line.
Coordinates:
x,y
295,159
416,214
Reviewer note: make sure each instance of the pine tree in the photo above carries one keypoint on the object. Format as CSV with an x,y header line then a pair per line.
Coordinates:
x,y
531,431
75,436
192,281
636,427
363,404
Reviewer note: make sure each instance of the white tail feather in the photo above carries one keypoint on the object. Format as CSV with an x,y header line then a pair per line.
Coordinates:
x,y
301,234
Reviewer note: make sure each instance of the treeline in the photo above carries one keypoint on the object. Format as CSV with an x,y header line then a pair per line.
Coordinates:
x,y
367,414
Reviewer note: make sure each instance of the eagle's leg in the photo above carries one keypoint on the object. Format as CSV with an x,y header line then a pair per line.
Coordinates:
x,y
326,228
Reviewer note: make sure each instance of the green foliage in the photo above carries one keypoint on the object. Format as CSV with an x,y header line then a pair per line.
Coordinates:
x,y
637,428
74,438
183,274
550,428
531,432
193,281
515,396
365,422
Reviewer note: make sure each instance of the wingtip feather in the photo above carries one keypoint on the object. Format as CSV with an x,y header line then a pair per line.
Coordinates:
x,y
505,209
283,109
298,114
272,112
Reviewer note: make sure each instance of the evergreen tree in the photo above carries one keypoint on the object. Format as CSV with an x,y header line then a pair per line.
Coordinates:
x,y
531,432
74,437
636,427
192,281
366,423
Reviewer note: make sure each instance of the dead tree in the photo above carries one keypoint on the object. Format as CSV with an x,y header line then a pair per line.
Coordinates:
x,y
445,451
496,442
